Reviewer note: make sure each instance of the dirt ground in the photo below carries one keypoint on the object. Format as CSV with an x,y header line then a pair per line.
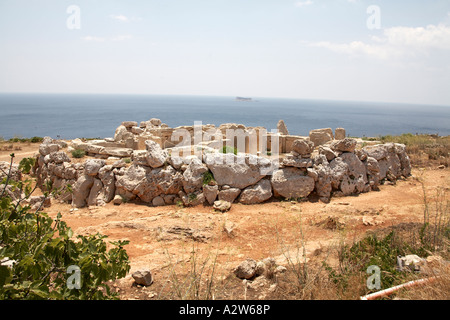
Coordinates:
x,y
163,238
170,240
20,150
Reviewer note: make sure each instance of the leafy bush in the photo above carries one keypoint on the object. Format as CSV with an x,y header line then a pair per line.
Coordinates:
x,y
78,153
26,164
16,139
127,160
36,139
43,254
207,177
192,197
229,149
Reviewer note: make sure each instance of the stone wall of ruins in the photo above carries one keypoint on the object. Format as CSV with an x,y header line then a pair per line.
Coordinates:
x,y
319,165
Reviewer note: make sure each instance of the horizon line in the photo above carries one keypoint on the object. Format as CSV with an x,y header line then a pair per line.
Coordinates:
x,y
225,96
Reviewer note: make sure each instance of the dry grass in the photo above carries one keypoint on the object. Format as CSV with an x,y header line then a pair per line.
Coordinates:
x,y
423,150
337,272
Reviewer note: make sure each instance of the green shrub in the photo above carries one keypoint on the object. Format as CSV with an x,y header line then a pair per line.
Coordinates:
x,y
36,139
179,204
127,160
192,197
207,177
78,153
15,139
26,164
44,255
229,149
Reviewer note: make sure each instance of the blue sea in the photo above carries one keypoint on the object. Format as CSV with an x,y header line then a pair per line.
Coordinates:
x,y
69,116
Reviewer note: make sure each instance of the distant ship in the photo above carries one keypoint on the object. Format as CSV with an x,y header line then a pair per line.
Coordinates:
x,y
243,99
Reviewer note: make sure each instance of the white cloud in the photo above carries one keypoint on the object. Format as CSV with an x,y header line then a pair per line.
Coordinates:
x,y
303,3
94,39
356,48
121,38
123,18
434,37
396,42
119,17
102,39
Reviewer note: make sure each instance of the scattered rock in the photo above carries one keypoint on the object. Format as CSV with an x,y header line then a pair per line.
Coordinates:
x,y
222,205
228,227
176,232
332,223
117,200
260,268
372,220
143,277
246,270
411,262
280,269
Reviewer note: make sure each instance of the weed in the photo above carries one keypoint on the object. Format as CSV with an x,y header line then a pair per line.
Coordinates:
x,y
229,149
78,153
192,197
208,177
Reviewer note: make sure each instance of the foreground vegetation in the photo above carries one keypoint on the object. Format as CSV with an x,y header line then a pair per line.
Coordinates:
x,y
41,259
44,249
423,149
319,278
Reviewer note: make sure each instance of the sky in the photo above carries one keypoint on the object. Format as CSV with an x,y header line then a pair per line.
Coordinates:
x,y
358,50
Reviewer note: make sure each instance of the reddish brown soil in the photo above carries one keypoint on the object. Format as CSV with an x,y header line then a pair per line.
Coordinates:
x,y
163,239
274,229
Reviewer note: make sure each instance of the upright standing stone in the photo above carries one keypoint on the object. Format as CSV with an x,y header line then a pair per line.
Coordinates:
x,y
339,134
282,129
